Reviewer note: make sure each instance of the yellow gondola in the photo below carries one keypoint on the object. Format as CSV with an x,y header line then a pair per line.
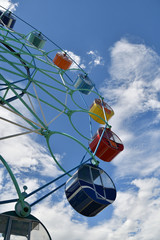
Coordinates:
x,y
99,107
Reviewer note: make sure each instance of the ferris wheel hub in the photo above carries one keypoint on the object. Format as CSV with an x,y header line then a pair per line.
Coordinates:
x,y
22,210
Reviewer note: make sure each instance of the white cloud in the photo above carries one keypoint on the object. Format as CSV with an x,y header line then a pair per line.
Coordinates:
x,y
133,61
28,156
134,78
136,216
8,5
133,93
59,223
136,209
30,162
140,210
77,59
96,59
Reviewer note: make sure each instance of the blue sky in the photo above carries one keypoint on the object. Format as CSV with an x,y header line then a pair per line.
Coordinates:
x,y
117,43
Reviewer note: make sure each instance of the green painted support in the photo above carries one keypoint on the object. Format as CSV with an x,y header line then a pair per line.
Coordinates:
x,y
23,206
48,134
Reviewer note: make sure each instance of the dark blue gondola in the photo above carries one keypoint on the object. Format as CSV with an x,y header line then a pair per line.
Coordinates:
x,y
7,19
90,190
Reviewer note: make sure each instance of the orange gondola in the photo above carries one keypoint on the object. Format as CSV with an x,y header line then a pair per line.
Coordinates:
x,y
62,61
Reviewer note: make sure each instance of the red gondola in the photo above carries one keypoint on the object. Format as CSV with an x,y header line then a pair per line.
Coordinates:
x,y
109,146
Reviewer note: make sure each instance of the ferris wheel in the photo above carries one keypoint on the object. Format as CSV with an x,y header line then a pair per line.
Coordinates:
x,y
43,89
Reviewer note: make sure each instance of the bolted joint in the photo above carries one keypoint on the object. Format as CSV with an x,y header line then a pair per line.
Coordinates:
x,y
69,113
95,162
22,209
1,101
109,126
45,132
70,92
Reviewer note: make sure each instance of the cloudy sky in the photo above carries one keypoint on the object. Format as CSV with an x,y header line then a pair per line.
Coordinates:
x,y
118,46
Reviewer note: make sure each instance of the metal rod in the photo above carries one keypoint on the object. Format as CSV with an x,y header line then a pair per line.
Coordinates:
x,y
54,180
47,195
21,198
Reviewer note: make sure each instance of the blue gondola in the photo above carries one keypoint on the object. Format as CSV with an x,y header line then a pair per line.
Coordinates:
x,y
90,190
83,84
36,39
7,19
